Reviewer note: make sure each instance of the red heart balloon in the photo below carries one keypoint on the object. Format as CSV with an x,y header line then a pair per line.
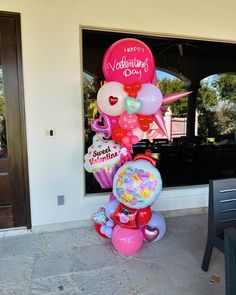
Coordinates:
x,y
144,126
149,119
113,100
144,215
133,93
141,118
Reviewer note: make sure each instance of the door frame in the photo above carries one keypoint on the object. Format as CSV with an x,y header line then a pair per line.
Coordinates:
x,y
17,17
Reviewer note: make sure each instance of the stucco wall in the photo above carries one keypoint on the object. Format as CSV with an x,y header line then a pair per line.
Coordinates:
x,y
51,46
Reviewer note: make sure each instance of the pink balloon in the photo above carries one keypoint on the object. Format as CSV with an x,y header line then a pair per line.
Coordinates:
x,y
151,98
127,241
138,132
159,120
170,98
128,61
150,233
128,121
114,121
126,141
157,221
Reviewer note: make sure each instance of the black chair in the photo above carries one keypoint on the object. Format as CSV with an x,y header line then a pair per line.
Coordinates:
x,y
230,261
221,215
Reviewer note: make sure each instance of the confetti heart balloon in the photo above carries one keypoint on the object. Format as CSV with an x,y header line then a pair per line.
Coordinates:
x,y
132,105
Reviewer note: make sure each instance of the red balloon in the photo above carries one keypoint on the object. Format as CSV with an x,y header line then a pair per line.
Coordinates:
x,y
149,119
97,227
144,122
144,126
141,118
146,119
118,134
144,215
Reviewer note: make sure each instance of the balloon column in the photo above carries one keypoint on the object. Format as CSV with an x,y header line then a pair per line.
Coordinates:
x,y
128,103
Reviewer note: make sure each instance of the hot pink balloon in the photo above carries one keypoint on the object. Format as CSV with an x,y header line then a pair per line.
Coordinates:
x,y
114,121
127,241
128,61
128,121
151,98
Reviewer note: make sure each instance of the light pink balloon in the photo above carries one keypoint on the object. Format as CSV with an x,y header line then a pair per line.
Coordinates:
x,y
127,241
128,121
151,98
170,98
159,120
138,132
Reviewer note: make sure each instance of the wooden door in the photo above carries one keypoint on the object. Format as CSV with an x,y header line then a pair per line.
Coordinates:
x,y
14,197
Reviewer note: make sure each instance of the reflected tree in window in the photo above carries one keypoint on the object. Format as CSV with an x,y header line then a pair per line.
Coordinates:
x,y
90,89
168,86
217,107
225,86
206,103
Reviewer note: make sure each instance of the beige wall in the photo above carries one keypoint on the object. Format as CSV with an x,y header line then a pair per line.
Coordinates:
x,y
52,81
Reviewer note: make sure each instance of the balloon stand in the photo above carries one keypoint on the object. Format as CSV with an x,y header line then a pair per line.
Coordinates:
x,y
128,103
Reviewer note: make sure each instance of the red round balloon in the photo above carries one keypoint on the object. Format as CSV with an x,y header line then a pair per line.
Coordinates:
x,y
118,134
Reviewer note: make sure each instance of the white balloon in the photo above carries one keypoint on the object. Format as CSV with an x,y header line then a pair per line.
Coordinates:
x,y
111,98
138,132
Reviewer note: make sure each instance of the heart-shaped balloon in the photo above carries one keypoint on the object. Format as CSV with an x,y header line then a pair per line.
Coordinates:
x,y
132,105
113,100
102,125
150,233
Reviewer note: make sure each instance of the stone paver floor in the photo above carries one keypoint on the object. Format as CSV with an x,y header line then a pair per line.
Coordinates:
x,y
77,261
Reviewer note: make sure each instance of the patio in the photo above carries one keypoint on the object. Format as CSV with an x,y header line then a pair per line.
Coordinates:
x,y
77,261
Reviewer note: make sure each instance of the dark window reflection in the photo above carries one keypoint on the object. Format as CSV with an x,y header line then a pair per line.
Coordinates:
x,y
186,158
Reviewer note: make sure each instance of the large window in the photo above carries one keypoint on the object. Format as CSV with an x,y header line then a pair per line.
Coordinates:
x,y
201,142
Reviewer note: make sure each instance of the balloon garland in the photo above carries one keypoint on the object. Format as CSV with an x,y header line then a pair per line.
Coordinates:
x,y
128,103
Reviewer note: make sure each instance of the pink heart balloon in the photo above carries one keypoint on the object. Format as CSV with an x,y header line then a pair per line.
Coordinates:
x,y
150,233
102,125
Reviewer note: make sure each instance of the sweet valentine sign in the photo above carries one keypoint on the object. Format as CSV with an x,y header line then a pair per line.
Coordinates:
x,y
102,154
128,61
